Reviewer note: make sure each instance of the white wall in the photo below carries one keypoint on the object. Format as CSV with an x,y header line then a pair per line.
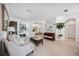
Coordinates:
x,y
49,23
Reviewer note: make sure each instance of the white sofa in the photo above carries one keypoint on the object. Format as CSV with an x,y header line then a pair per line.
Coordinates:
x,y
15,50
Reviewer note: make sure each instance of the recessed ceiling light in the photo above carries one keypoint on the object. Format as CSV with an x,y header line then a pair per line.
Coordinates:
x,y
28,10
66,10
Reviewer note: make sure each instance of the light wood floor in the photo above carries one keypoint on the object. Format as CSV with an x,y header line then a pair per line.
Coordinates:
x,y
56,48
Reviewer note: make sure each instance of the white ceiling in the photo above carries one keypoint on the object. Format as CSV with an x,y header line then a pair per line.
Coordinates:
x,y
40,10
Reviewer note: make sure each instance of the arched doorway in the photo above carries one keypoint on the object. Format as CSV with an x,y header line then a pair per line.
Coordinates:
x,y
70,27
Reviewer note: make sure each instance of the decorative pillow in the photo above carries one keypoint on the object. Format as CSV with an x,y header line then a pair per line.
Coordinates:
x,y
9,38
27,40
18,41
21,41
14,39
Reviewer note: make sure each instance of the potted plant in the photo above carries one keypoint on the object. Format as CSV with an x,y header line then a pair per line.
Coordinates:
x,y
60,26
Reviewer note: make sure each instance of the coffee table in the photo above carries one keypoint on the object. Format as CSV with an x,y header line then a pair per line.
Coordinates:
x,y
36,40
